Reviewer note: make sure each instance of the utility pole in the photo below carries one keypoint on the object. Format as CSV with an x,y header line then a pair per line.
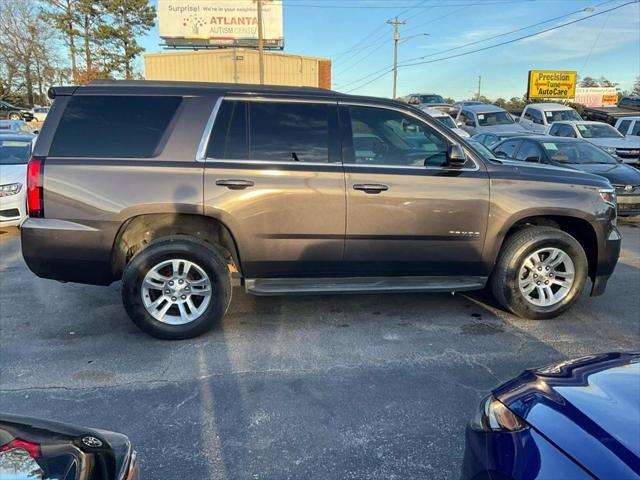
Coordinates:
x,y
396,37
479,85
260,43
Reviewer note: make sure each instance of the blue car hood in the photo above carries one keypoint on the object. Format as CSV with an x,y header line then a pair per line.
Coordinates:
x,y
616,173
588,407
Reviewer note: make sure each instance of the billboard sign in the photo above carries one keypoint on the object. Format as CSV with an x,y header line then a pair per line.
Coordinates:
x,y
551,84
219,23
597,96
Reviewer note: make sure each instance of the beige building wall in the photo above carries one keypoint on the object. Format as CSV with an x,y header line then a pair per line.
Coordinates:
x,y
238,66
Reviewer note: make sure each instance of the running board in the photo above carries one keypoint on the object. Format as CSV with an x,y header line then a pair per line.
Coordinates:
x,y
319,286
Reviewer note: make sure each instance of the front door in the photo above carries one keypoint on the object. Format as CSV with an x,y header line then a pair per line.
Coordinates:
x,y
273,175
408,211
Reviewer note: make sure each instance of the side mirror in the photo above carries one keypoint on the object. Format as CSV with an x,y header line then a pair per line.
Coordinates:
x,y
459,123
501,154
456,155
469,123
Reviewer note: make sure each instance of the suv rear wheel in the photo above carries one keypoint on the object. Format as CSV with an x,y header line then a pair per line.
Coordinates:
x,y
177,287
540,273
14,116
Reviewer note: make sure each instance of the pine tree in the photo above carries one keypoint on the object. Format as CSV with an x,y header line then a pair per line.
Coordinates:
x,y
127,20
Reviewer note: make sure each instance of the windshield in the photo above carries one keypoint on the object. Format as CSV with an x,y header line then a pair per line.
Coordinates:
x,y
577,152
447,121
14,152
559,115
598,130
431,99
494,118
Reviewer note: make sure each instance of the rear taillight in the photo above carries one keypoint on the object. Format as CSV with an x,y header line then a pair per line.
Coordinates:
x,y
31,448
35,190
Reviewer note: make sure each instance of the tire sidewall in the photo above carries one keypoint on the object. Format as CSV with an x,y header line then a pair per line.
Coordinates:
x,y
14,116
203,256
516,300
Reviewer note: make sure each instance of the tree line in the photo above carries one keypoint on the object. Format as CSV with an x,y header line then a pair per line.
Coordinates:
x,y
47,42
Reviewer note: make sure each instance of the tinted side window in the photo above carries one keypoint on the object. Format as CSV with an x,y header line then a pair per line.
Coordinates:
x,y
508,148
529,150
388,137
113,126
467,118
636,128
536,116
229,135
281,132
623,127
555,130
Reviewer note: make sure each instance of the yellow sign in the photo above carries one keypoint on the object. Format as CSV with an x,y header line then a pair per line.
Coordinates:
x,y
551,84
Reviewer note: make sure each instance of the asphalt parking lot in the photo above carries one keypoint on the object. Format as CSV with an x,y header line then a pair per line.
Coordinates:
x,y
345,387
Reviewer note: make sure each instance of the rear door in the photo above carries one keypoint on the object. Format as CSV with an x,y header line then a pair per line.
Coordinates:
x,y
273,175
408,213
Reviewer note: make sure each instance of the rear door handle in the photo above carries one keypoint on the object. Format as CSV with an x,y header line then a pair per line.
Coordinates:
x,y
235,184
372,188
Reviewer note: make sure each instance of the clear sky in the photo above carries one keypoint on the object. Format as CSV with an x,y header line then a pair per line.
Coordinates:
x,y
359,42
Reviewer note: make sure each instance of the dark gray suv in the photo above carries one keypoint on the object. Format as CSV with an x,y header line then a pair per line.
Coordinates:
x,y
175,188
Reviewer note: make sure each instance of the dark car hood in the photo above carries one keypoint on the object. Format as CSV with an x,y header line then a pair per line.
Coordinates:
x,y
617,174
588,407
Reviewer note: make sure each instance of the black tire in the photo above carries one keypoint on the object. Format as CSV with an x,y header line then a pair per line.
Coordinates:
x,y
516,249
14,116
206,256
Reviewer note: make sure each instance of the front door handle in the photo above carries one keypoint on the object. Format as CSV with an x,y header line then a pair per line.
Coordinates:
x,y
372,188
235,184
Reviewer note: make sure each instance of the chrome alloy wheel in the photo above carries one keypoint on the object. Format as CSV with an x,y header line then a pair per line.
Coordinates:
x,y
176,292
546,277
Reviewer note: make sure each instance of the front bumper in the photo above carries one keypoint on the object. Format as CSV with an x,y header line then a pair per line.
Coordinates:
x,y
13,209
628,203
608,254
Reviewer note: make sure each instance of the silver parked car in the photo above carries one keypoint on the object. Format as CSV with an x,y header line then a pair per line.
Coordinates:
x,y
603,135
486,118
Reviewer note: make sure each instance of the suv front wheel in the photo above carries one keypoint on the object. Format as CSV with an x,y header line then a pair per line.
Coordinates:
x,y
177,287
540,273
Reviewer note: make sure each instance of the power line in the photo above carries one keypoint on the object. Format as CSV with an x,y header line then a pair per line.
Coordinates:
x,y
404,62
524,36
378,41
393,6
493,37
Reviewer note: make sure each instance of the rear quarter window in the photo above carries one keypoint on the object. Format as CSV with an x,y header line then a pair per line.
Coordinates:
x,y
113,126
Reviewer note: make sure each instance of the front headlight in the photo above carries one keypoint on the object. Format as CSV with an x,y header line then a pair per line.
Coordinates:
x,y
494,416
10,189
608,195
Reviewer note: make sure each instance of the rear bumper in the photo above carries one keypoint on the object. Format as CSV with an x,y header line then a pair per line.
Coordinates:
x,y
67,251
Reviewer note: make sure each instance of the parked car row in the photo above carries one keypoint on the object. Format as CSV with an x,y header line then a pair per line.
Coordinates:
x,y
12,112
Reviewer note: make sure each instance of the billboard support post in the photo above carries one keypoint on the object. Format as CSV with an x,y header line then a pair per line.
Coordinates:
x,y
260,42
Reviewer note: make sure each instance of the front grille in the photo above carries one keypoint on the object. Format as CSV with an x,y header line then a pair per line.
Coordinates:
x,y
628,153
10,213
628,207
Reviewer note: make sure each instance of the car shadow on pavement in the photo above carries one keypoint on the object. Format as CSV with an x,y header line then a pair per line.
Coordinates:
x,y
359,386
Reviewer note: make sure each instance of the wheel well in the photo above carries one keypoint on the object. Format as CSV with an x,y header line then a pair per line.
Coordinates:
x,y
139,231
578,228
